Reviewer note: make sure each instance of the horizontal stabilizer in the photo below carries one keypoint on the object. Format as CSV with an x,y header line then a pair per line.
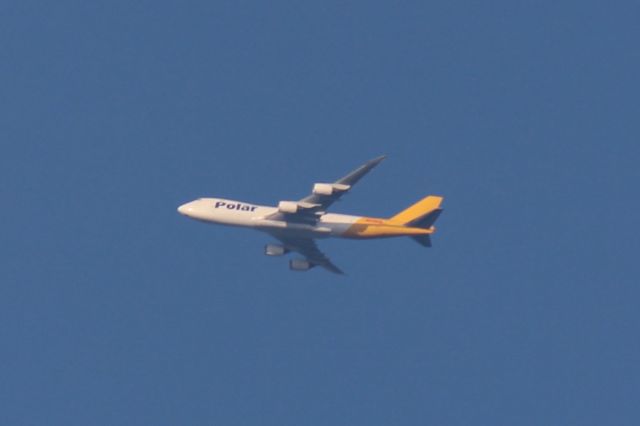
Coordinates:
x,y
428,220
423,240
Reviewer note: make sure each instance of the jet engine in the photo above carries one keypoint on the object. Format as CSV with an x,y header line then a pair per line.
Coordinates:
x,y
300,265
322,189
275,250
287,207
329,188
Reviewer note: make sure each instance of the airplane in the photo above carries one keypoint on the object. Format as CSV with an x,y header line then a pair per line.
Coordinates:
x,y
297,224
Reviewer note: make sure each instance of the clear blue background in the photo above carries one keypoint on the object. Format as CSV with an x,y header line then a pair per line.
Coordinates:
x,y
116,310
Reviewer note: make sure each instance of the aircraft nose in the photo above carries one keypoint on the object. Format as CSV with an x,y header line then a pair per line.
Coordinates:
x,y
184,209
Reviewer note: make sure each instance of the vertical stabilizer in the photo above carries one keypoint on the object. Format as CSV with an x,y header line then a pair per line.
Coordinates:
x,y
419,211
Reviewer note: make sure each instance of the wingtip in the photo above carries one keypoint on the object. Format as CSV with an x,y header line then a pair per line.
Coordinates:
x,y
377,159
332,268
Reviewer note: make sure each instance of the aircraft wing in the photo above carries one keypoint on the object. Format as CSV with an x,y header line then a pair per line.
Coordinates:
x,y
324,195
309,249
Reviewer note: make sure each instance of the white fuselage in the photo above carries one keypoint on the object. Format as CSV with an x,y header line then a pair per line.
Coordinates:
x,y
237,213
296,224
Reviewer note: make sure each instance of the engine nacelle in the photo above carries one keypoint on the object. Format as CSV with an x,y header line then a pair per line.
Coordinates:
x,y
287,207
323,189
329,188
275,250
300,265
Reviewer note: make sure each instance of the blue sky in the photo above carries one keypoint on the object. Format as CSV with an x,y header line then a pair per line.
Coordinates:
x,y
115,310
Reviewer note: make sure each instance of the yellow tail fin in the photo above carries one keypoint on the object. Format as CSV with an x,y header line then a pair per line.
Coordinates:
x,y
418,211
